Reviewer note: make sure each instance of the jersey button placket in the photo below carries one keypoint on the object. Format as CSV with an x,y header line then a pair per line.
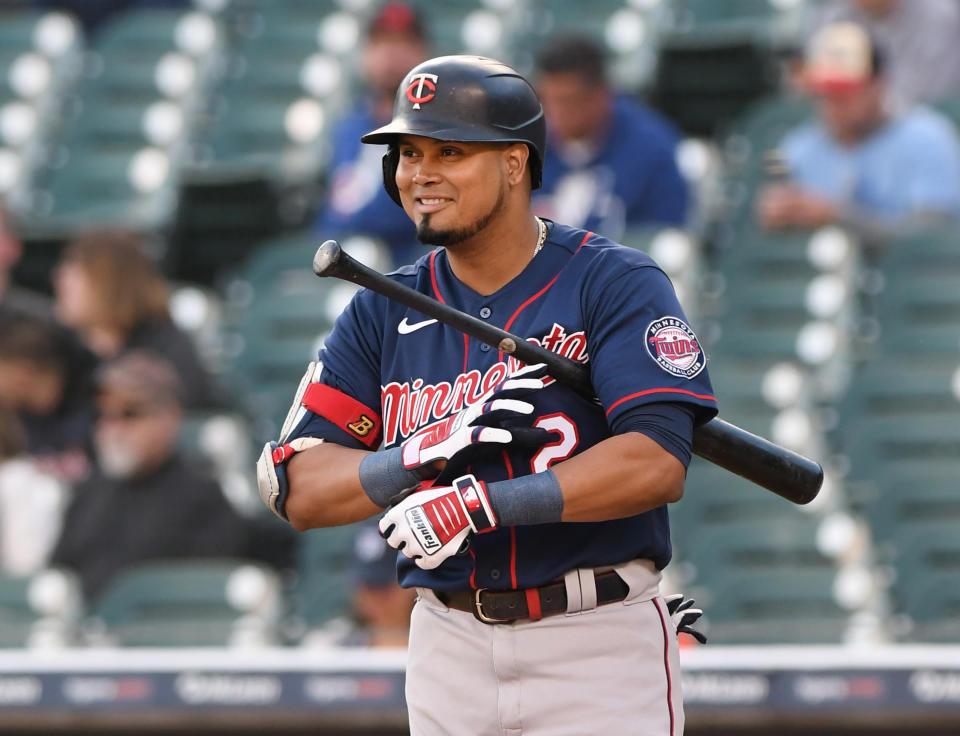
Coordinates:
x,y
484,313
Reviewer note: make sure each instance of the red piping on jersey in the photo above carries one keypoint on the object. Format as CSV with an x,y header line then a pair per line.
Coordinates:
x,y
513,530
666,662
436,293
541,292
705,397
473,572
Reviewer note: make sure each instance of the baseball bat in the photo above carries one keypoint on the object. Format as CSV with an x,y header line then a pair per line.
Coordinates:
x,y
782,471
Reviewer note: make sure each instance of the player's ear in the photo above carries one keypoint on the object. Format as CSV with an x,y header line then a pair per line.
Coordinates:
x,y
517,158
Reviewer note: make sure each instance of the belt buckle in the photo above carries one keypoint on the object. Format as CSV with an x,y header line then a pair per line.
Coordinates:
x,y
478,609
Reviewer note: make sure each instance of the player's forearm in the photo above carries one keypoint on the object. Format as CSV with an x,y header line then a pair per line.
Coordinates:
x,y
622,476
325,488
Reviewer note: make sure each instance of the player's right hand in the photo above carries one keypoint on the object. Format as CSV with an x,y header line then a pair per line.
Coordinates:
x,y
433,524
469,431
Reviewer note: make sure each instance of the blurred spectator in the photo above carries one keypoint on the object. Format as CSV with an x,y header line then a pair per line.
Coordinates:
x,y
15,301
31,504
862,162
920,38
356,200
381,607
146,500
46,381
611,161
111,293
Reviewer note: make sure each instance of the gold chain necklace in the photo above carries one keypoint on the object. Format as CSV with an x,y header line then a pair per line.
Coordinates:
x,y
541,239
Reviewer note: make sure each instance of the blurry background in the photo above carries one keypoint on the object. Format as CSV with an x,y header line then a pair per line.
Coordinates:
x,y
220,137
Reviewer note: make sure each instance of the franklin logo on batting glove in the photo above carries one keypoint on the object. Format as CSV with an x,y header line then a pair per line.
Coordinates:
x,y
431,525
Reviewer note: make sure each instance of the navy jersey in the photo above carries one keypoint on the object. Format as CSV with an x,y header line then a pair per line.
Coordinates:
x,y
582,296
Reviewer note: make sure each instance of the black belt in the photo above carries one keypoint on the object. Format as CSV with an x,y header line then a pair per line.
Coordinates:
x,y
506,606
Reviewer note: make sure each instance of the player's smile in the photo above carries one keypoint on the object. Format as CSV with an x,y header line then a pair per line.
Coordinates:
x,y
427,205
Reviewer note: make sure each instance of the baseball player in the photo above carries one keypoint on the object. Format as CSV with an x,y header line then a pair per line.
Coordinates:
x,y
532,521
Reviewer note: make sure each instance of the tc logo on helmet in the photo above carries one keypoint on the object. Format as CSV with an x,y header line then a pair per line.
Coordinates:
x,y
422,89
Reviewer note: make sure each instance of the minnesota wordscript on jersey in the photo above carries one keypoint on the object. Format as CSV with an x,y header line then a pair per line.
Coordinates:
x,y
582,296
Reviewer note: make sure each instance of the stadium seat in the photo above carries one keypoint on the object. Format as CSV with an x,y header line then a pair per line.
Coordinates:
x,y
121,150
785,605
278,313
787,540
39,59
262,148
628,32
40,610
925,589
714,496
322,591
901,412
910,493
202,602
472,26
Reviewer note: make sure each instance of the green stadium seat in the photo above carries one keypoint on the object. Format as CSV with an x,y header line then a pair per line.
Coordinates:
x,y
189,603
925,589
17,615
931,607
148,32
322,590
884,442
628,32
905,495
714,496
782,606
467,26
40,610
139,58
279,312
788,540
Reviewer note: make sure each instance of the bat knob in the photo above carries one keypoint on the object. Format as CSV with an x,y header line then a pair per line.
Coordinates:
x,y
508,346
326,258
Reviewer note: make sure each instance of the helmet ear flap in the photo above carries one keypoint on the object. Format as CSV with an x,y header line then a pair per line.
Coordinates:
x,y
390,161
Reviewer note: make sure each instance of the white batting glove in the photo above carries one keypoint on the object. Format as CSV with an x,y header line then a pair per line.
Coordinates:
x,y
431,525
464,432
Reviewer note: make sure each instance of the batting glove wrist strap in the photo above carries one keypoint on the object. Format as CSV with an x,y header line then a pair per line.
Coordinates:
x,y
476,502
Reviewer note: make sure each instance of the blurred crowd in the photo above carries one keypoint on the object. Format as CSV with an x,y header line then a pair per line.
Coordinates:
x,y
97,472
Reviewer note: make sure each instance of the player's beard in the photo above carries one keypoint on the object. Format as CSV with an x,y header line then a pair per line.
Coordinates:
x,y
445,238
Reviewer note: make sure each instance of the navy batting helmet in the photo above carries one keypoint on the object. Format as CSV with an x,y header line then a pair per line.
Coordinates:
x,y
463,98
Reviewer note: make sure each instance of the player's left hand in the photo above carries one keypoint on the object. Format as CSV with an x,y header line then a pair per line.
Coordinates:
x,y
460,439
684,616
432,525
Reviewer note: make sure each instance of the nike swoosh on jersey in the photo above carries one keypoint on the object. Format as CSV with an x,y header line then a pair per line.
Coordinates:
x,y
405,328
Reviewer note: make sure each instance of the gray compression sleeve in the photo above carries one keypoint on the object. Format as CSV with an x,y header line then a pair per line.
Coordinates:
x,y
383,476
531,499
